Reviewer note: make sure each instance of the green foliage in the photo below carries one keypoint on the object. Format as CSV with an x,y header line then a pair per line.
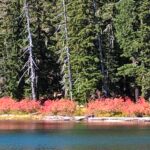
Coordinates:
x,y
11,31
110,51
84,59
44,46
14,49
132,32
106,46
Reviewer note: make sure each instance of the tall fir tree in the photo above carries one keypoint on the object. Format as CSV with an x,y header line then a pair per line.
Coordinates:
x,y
84,58
63,40
3,31
12,44
43,29
132,32
107,46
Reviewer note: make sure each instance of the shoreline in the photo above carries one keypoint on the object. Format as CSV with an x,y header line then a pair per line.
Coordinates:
x,y
49,118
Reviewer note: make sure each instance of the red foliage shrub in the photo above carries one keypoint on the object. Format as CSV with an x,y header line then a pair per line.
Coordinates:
x,y
122,106
140,108
107,105
59,107
99,107
6,104
28,106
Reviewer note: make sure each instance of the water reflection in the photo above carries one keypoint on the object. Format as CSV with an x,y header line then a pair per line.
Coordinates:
x,y
19,135
32,125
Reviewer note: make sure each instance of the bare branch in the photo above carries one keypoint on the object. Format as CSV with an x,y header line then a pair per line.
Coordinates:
x,y
22,76
31,68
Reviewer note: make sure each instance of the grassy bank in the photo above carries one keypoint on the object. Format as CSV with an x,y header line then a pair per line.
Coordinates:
x,y
20,117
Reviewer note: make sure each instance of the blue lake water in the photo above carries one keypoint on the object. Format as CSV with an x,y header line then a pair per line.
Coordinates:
x,y
25,135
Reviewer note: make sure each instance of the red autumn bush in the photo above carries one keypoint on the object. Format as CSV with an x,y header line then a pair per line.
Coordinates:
x,y
59,107
6,104
103,106
140,108
28,106
99,107
118,106
54,107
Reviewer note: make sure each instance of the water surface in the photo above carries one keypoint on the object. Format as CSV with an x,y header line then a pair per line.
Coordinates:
x,y
27,135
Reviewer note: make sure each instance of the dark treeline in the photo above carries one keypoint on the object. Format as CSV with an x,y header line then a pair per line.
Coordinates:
x,y
80,48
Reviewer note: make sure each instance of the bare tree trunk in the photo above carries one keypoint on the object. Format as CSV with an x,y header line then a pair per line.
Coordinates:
x,y
30,50
67,49
99,38
104,86
136,93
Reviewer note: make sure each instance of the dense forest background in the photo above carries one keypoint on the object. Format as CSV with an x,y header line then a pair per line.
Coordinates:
x,y
80,48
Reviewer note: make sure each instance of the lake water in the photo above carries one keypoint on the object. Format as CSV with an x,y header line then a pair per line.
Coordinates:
x,y
25,135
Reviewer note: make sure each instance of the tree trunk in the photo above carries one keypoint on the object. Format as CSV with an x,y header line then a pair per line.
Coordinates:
x,y
102,68
67,50
136,94
30,50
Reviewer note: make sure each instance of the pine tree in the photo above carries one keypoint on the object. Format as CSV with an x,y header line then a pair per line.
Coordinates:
x,y
84,58
63,40
43,28
106,44
132,32
15,43
11,48
3,29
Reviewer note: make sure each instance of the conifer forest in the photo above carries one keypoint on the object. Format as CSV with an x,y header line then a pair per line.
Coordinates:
x,y
80,49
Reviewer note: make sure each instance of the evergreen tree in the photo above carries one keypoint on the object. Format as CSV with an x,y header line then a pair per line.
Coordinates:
x,y
43,29
63,41
14,45
84,58
3,30
132,32
106,44
11,47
